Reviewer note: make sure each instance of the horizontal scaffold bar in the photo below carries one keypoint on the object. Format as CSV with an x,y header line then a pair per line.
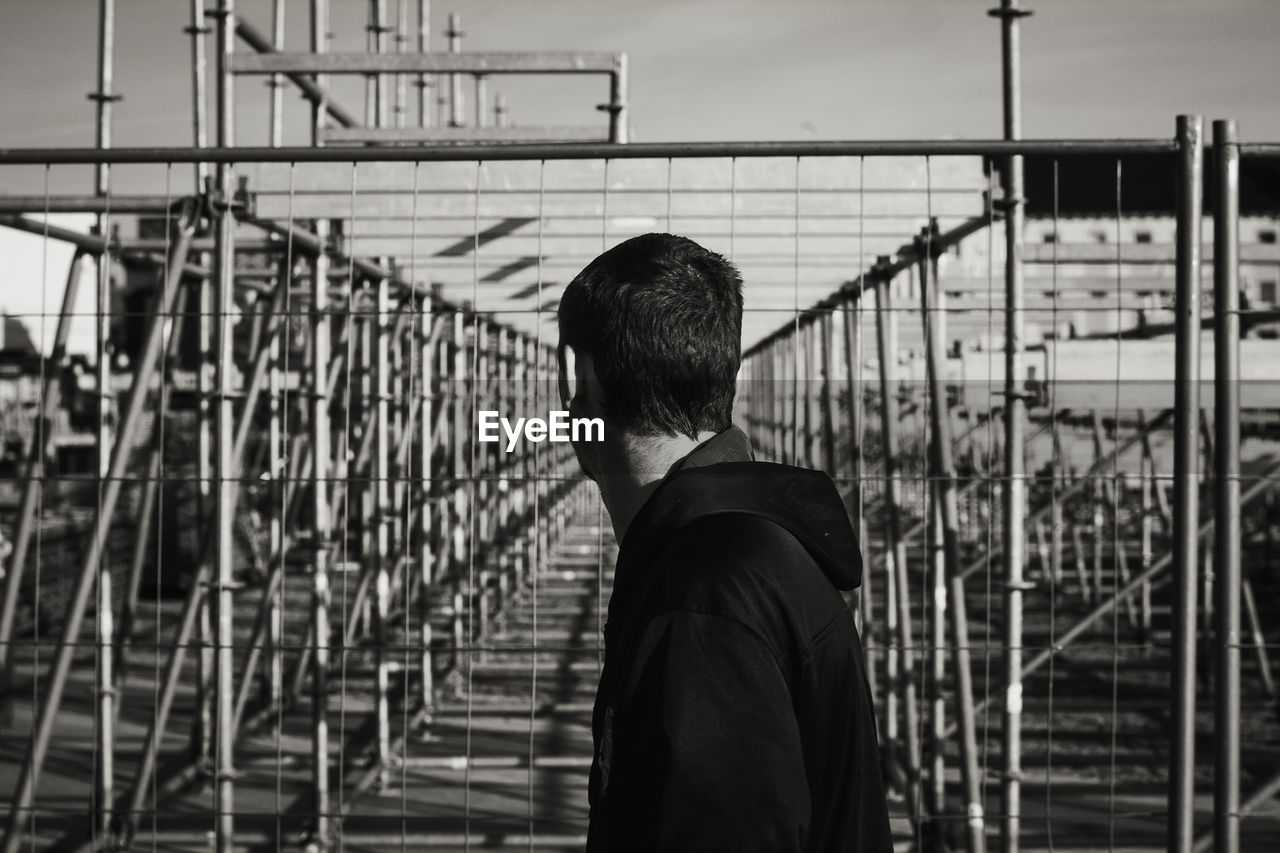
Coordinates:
x,y
409,135
152,205
302,62
590,151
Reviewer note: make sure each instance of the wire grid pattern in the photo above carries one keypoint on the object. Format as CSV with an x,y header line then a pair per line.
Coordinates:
x,y
466,585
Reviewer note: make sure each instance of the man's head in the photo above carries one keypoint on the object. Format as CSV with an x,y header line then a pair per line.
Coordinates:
x,y
655,328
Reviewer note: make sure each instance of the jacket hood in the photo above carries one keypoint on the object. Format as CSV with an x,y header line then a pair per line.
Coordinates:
x,y
719,477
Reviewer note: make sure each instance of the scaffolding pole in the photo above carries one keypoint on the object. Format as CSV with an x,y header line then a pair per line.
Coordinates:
x,y
276,81
1014,433
951,595
425,106
375,84
320,533
226,466
454,34
199,92
104,732
431,334
382,517
1186,477
320,106
1227,586
401,107
617,106
901,666
201,734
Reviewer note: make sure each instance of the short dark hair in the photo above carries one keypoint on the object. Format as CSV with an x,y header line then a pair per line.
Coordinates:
x,y
661,317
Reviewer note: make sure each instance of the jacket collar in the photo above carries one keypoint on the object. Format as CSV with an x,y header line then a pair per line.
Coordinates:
x,y
728,445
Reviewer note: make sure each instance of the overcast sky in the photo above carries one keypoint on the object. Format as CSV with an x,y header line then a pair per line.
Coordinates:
x,y
700,70
717,69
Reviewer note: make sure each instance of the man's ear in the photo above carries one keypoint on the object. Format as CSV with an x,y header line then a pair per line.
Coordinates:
x,y
577,374
565,378
586,367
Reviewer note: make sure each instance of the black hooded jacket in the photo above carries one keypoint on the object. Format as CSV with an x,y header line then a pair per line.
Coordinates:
x,y
733,712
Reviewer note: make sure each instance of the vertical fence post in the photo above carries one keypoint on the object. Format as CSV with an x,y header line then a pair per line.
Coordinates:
x,y
1015,431
202,729
1226,301
104,766
227,475
1186,520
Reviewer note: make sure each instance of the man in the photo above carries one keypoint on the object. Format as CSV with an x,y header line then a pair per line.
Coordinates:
x,y
733,711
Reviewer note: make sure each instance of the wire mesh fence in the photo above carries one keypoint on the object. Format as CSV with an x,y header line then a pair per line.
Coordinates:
x,y
279,571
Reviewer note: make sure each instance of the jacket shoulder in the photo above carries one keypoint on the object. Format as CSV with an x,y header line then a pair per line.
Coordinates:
x,y
751,570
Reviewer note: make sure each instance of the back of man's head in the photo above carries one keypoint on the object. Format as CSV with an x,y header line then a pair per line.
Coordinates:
x,y
661,318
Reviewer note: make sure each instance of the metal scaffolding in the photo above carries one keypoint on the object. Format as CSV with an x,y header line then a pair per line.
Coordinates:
x,y
349,652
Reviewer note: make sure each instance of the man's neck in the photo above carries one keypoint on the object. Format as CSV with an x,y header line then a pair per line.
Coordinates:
x,y
645,462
